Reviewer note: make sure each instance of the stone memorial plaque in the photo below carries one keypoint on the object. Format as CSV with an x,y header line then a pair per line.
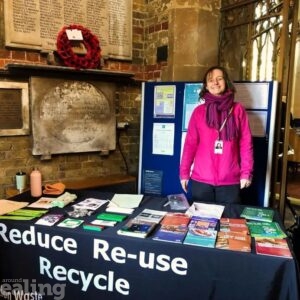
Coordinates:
x,y
37,24
72,116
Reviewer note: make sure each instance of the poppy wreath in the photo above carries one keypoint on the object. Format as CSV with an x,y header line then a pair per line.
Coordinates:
x,y
90,60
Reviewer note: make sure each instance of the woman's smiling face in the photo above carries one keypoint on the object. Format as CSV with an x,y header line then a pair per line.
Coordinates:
x,y
215,82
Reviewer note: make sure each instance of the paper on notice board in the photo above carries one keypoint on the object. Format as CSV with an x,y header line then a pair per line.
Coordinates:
x,y
164,101
163,138
258,122
190,101
253,95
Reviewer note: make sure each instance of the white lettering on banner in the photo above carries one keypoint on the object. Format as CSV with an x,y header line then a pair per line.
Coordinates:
x,y
102,250
43,240
100,281
161,262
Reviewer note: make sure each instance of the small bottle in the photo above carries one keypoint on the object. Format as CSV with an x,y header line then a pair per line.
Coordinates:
x,y
36,183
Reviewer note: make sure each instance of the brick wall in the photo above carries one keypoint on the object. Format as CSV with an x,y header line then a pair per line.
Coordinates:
x,y
150,30
16,151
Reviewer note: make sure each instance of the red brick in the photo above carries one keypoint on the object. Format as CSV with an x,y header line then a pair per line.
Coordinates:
x,y
5,53
158,27
2,63
157,74
32,56
18,55
151,29
165,26
137,30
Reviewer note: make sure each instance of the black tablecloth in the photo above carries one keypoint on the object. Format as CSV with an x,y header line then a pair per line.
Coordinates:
x,y
80,264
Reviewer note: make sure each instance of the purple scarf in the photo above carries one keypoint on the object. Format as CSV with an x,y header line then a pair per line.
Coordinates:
x,y
217,109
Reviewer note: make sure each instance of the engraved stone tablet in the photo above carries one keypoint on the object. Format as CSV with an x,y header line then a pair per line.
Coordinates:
x,y
72,116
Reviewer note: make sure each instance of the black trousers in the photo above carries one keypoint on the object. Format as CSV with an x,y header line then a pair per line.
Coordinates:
x,y
224,194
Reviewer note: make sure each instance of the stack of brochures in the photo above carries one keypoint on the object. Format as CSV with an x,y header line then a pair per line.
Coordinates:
x,y
202,229
201,232
234,235
174,227
23,214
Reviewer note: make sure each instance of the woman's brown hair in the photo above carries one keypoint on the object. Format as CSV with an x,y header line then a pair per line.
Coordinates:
x,y
228,83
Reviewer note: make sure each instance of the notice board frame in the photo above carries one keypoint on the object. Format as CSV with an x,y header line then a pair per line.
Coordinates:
x,y
165,168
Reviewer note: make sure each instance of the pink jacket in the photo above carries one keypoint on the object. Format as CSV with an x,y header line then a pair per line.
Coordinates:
x,y
236,161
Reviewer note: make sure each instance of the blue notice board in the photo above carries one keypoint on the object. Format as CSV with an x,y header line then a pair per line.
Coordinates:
x,y
166,109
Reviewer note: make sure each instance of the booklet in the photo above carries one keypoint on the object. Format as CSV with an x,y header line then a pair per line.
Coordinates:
x,y
92,227
233,240
70,223
126,200
43,202
111,217
234,224
49,219
151,215
105,223
121,210
174,227
90,204
201,237
265,229
272,247
258,214
203,223
48,202
136,228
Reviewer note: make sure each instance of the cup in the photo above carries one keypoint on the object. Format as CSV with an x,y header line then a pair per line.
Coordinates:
x,y
21,181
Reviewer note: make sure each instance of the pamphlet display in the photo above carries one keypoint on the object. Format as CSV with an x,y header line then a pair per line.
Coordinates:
x,y
153,244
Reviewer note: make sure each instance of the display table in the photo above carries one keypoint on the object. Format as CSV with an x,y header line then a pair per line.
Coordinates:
x,y
80,264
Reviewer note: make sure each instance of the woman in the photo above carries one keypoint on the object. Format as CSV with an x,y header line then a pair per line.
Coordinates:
x,y
218,150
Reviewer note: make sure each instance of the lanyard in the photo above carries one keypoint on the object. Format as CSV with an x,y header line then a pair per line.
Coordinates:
x,y
224,122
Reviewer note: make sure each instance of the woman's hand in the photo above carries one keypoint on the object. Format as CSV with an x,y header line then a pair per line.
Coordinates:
x,y
184,184
245,183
